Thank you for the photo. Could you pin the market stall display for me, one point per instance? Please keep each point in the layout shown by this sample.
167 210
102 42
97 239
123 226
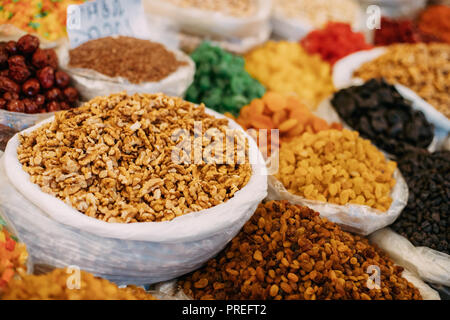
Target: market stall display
44 17
290 252
31 83
112 64
334 41
220 81
423 68
54 286
224 150
378 111
285 67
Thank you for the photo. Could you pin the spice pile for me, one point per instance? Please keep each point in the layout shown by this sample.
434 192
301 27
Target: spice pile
13 256
221 81
55 286
236 8
283 112
426 221
381 114
396 31
45 17
337 167
285 67
335 41
30 80
115 159
424 68
290 252
435 22
318 13
136 60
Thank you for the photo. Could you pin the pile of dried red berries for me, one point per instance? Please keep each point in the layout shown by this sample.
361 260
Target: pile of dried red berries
378 111
30 81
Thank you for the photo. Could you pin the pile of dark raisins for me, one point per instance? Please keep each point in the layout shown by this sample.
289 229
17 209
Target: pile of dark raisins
378 111
426 221
30 81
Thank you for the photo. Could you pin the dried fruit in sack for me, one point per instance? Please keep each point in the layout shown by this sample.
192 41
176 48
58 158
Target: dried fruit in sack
235 8
424 68
285 67
396 31
378 112
337 167
129 159
335 41
44 17
290 252
425 219
220 81
283 112
135 59
64 284
27 78
13 256
318 13
434 21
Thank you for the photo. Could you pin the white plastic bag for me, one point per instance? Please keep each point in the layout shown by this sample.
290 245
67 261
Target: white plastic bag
294 29
210 23
343 77
91 83
139 253
431 265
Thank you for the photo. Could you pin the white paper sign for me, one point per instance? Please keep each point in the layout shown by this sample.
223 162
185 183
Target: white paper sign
103 18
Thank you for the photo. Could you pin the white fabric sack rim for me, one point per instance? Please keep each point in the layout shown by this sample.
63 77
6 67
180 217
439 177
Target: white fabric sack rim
59 211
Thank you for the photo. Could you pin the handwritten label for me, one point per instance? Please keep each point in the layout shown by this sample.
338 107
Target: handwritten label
103 18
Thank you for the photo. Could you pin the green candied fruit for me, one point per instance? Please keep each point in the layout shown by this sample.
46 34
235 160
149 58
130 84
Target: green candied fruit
204 83
221 81
192 93
213 98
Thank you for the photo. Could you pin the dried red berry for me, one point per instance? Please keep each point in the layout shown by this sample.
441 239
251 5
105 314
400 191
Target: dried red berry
46 77
31 87
19 74
62 79
28 44
53 106
71 94
54 94
16 106
45 57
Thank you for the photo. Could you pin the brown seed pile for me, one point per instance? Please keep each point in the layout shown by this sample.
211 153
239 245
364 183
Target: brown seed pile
62 285
113 159
424 68
134 59
290 252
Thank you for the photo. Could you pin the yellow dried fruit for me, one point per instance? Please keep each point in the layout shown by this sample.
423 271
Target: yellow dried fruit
338 167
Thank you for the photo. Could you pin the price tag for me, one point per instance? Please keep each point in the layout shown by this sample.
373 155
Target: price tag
103 18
